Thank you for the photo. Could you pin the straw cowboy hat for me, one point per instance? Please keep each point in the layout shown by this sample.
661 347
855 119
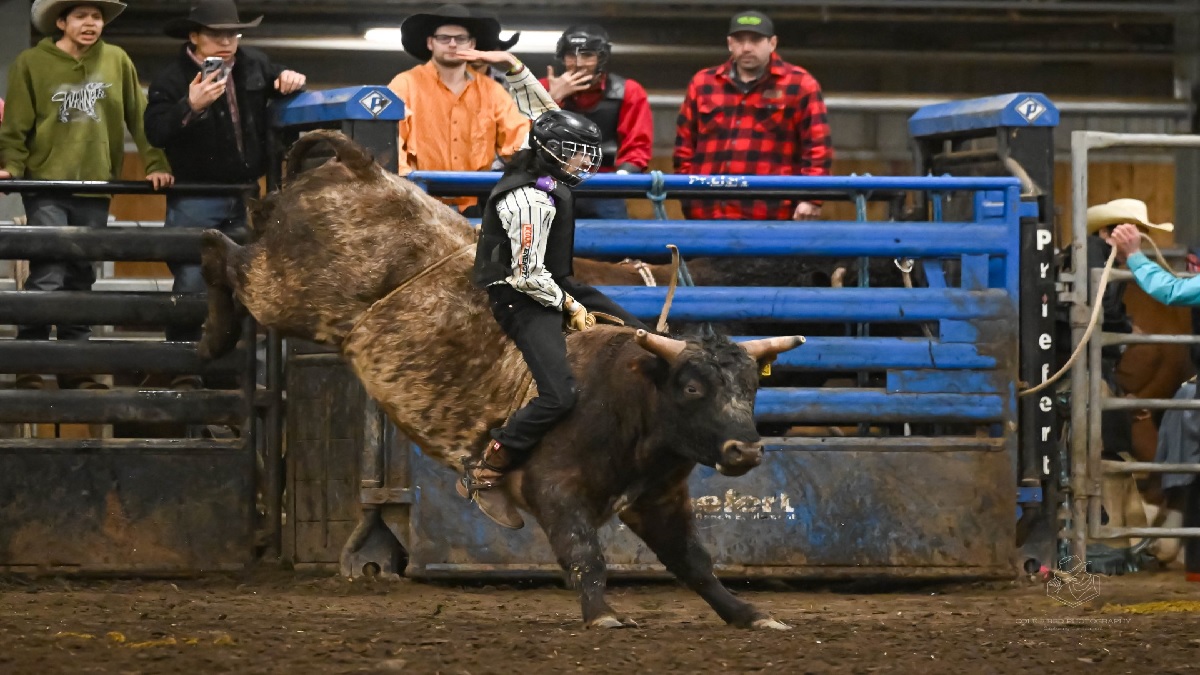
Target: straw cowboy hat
45 13
483 26
1122 211
213 14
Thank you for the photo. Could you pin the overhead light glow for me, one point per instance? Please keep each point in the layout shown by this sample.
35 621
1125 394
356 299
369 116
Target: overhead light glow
384 36
532 41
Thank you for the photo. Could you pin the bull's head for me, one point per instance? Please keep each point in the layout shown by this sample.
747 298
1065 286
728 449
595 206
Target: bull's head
707 396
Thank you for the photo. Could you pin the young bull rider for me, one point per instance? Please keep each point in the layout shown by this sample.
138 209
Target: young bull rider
523 261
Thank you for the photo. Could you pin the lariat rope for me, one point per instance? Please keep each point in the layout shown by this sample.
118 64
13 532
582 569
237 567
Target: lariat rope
1096 311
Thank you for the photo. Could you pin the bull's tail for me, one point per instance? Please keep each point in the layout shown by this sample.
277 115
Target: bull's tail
350 154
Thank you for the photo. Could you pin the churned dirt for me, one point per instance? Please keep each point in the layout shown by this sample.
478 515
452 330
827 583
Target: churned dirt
285 623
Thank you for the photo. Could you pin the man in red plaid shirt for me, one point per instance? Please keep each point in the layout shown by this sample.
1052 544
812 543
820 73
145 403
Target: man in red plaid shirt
755 114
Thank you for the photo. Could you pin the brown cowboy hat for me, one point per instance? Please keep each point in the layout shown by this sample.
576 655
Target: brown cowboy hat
416 29
213 14
45 13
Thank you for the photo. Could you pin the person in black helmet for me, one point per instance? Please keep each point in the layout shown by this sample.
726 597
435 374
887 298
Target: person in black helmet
523 261
618 105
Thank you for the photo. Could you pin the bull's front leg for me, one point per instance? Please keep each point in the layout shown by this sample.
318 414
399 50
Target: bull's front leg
576 545
664 521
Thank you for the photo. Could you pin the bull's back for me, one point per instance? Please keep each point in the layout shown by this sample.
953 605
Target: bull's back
332 243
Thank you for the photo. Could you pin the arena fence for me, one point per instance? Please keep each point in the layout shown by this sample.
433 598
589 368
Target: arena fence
1088 399
149 490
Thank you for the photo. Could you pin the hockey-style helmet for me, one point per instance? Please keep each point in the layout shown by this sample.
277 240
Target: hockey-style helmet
585 38
567 145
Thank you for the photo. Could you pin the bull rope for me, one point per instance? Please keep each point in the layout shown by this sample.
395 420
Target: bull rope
661 326
1096 310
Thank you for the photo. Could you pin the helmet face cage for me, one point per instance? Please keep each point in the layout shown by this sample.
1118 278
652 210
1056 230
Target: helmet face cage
570 161
585 39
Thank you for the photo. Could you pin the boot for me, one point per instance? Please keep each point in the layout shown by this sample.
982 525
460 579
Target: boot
480 482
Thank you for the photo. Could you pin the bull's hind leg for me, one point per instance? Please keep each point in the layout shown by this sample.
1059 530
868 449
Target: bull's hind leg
665 523
576 544
222 327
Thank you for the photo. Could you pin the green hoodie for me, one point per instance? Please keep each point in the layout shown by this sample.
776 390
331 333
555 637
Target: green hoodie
63 117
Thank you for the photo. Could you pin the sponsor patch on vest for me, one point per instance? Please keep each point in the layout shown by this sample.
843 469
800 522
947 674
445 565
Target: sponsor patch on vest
526 235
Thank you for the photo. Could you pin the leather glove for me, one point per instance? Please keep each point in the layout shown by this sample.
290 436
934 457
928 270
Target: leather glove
578 318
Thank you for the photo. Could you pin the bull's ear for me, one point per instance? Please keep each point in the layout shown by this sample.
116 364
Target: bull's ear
650 367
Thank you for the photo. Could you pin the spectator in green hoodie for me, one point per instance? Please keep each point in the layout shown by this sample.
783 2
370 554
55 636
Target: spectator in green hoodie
68 101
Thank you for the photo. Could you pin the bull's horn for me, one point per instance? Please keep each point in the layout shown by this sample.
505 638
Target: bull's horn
768 347
664 347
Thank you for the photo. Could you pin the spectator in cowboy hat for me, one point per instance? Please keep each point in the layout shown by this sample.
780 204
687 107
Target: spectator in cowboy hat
70 100
214 128
455 119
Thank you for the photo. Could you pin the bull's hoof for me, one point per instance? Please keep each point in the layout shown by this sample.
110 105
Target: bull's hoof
769 623
609 621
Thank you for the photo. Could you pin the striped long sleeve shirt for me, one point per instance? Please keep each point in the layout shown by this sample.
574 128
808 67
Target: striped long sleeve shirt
528 212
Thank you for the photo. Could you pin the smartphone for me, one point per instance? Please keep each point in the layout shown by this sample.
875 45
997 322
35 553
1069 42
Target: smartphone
211 64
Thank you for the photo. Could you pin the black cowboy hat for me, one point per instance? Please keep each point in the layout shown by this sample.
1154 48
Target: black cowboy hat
483 26
213 14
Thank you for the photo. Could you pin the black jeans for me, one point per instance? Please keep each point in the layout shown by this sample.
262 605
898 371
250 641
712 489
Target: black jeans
538 333
59 275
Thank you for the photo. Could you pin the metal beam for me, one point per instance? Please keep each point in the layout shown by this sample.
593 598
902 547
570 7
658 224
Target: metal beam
118 309
120 446
827 405
107 407
88 243
772 238
716 303
875 353
101 356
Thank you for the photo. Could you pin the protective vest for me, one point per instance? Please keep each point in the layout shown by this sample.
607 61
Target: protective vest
493 254
606 114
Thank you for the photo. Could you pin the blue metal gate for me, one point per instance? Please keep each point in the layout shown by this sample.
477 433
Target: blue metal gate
936 504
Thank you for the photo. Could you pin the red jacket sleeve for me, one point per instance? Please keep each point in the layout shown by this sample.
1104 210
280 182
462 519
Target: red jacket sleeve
635 128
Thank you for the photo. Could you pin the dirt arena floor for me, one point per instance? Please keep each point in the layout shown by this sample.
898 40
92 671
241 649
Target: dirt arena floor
284 623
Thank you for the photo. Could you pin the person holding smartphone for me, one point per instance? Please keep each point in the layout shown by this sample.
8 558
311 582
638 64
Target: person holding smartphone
208 110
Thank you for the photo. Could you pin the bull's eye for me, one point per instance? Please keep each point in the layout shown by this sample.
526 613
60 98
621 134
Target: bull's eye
693 390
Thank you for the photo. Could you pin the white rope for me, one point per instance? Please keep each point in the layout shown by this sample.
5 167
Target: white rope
1096 310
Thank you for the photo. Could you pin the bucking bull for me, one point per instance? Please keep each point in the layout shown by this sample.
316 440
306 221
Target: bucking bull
352 256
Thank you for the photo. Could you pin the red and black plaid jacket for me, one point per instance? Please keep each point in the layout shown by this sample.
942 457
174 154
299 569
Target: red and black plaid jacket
778 128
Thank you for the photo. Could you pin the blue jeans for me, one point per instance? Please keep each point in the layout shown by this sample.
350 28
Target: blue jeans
601 208
205 213
55 275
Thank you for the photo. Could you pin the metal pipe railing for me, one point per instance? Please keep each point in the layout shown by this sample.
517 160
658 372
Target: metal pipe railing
1082 481
126 187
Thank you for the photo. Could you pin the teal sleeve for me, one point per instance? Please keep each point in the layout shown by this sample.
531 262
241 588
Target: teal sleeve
1162 285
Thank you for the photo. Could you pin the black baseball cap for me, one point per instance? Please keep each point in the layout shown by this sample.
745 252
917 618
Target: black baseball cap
751 22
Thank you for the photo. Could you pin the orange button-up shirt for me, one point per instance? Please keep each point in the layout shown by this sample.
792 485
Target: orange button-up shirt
444 131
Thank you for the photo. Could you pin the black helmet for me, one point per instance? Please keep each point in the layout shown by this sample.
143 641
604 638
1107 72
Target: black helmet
567 145
585 38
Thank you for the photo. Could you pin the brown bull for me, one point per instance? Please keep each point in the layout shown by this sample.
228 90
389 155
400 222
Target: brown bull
352 256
